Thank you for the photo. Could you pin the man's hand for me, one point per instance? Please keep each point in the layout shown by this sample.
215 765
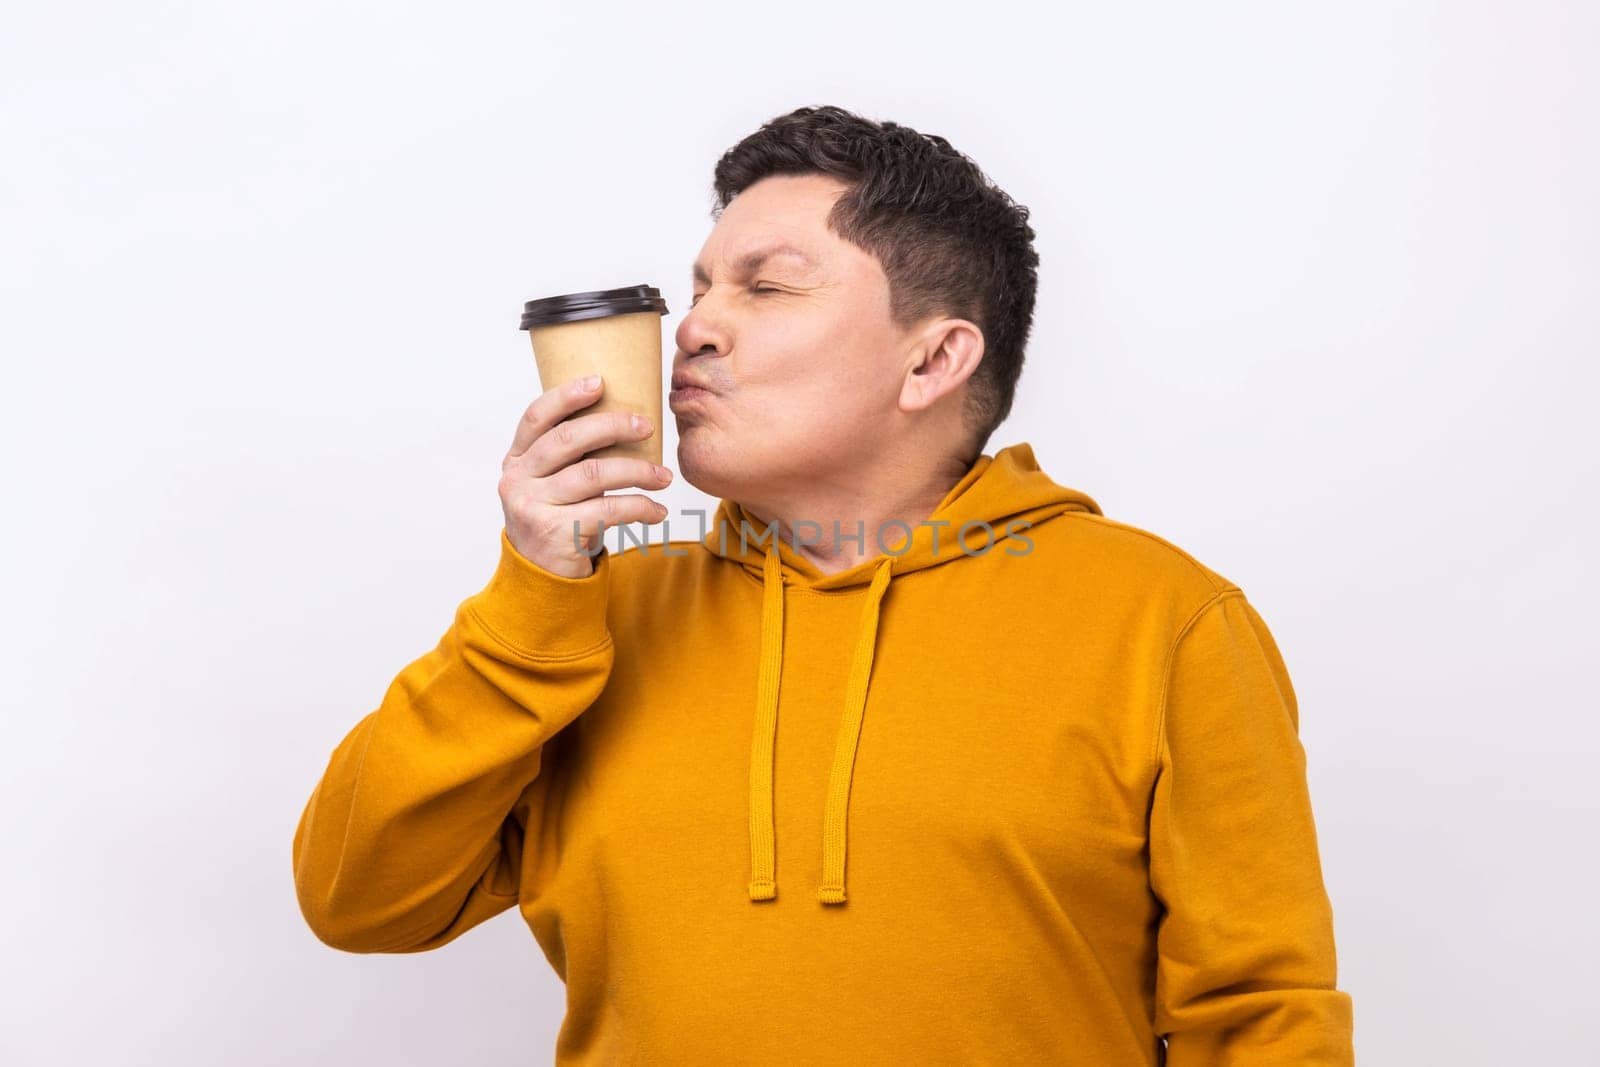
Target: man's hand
547 485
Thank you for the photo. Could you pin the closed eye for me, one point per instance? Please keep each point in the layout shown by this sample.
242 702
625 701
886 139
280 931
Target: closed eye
757 289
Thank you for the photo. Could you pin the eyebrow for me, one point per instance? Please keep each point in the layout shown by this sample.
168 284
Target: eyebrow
751 260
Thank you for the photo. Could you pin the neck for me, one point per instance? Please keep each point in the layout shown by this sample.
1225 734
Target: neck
864 508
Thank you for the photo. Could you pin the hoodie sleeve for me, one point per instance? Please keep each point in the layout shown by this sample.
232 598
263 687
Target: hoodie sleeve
1245 968
414 833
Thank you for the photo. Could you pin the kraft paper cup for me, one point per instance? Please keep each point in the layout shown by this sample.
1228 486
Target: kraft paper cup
615 333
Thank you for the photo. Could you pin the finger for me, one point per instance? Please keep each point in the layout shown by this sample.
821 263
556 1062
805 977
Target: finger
612 511
569 440
592 476
549 408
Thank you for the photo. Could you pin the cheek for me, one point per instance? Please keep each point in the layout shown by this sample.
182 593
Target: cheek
824 405
779 358
799 365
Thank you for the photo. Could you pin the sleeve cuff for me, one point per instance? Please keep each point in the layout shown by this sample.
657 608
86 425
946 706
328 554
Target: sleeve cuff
541 614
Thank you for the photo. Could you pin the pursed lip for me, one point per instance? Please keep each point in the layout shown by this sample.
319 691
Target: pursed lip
680 380
686 389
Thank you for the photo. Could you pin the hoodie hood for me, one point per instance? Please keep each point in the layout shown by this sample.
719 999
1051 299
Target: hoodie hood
999 494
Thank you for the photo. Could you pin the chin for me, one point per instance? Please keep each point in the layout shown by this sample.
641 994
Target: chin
720 466
706 463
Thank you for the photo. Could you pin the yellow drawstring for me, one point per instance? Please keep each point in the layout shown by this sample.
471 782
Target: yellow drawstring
844 752
763 885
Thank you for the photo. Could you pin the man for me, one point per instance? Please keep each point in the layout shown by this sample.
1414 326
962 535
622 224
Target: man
1056 756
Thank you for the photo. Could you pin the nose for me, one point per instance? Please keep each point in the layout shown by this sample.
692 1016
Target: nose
701 332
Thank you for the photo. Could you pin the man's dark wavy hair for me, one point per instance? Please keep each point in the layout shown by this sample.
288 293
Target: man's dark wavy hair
950 242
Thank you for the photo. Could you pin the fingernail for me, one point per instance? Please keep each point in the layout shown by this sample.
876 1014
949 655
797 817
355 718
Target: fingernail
590 382
641 423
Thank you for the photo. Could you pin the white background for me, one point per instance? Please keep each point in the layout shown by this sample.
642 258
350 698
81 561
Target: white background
1317 303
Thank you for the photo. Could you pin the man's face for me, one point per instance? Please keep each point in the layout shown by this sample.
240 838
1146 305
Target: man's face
800 359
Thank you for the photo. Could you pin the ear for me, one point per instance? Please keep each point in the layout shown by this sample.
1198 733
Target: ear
945 355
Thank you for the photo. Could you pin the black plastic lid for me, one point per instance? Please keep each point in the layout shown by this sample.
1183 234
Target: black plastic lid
596 304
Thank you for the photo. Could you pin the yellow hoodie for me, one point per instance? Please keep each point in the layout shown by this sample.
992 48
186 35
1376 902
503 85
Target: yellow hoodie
1031 796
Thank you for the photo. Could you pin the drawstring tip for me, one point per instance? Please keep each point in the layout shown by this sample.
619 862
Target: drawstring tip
831 894
763 889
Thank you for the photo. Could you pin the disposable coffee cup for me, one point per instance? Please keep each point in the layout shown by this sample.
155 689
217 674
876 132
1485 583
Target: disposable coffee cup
615 333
